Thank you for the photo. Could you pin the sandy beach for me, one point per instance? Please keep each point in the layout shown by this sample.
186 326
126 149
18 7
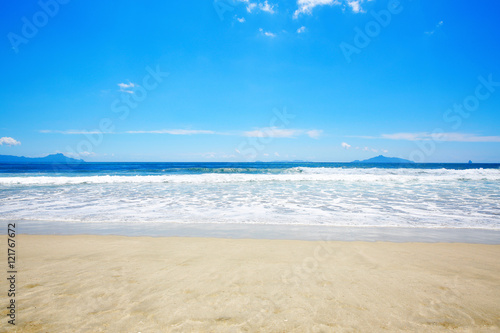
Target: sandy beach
173 284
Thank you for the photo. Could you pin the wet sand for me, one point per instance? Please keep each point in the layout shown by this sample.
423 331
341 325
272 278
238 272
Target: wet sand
173 284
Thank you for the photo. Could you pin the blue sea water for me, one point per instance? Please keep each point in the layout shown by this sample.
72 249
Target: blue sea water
280 193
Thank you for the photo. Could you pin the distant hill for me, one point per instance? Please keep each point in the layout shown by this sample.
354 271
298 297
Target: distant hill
383 159
53 158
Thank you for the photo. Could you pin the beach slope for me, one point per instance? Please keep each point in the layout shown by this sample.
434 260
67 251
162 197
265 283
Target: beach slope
169 284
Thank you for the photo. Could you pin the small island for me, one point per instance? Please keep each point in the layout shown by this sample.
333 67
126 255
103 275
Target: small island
52 158
384 159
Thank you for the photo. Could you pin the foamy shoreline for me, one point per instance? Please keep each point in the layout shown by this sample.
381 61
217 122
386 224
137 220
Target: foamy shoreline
423 196
89 283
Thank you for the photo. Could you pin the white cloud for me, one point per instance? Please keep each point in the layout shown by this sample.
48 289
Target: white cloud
71 132
301 29
345 145
264 132
251 7
306 6
213 155
261 6
438 136
439 25
81 154
275 132
241 20
162 131
126 87
209 155
267 33
402 136
272 132
276 154
173 132
355 6
315 134
9 141
266 7
348 146
450 137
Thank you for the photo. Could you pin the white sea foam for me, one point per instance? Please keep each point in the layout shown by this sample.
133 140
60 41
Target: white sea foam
327 196
290 175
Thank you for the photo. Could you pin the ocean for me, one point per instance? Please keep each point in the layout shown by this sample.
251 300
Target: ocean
327 194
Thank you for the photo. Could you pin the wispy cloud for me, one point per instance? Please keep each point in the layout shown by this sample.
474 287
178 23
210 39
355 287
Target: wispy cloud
80 154
275 132
173 132
162 131
355 6
6 140
251 6
315 134
306 6
126 87
265 132
72 132
259 6
439 25
347 146
267 33
426 136
300 30
212 155
272 132
240 19
266 7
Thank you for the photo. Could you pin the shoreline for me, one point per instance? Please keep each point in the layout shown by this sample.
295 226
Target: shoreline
260 231
85 283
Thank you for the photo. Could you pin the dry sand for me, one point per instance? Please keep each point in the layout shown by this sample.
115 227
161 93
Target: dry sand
142 284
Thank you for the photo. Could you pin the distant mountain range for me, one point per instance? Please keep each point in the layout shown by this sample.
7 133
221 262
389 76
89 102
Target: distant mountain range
53 158
61 158
383 159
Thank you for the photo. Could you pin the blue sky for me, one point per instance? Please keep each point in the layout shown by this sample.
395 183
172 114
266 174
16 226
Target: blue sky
235 80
